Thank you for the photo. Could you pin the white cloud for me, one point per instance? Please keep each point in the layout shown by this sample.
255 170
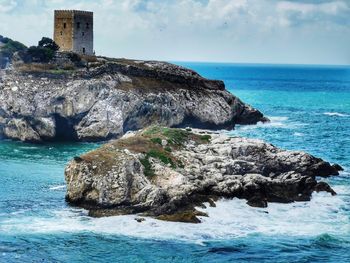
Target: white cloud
331 8
7 5
301 31
296 13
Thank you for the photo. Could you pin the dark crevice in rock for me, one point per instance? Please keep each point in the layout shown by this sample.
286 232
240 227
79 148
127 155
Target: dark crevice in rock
64 129
195 122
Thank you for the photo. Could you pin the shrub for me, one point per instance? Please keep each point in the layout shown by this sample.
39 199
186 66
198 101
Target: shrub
46 42
10 47
39 54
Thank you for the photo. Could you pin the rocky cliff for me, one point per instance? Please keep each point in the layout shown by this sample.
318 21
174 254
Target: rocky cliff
110 97
165 173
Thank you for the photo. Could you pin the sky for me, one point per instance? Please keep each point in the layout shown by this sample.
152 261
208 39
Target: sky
235 31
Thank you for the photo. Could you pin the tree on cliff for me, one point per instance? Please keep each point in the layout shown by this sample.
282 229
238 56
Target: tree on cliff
46 42
44 52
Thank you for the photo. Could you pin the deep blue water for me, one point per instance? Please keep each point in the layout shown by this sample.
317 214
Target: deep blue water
309 108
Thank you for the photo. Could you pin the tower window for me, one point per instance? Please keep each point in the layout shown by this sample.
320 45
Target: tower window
64 25
87 26
83 33
61 33
83 50
78 25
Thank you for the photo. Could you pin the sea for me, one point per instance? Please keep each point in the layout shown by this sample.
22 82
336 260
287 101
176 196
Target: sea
309 109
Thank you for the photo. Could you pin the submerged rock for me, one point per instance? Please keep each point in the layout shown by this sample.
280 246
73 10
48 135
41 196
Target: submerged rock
110 98
139 173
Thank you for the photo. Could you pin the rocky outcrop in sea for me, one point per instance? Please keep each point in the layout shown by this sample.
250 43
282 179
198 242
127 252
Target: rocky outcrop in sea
166 173
109 97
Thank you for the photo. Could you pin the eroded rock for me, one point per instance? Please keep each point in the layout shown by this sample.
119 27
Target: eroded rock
139 173
111 98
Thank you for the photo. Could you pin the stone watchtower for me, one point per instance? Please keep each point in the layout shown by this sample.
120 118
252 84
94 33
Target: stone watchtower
74 31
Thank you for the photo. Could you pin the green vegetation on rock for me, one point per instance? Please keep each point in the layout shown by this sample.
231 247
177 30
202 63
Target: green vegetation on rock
42 53
38 58
157 140
205 138
164 157
148 171
175 136
10 47
149 143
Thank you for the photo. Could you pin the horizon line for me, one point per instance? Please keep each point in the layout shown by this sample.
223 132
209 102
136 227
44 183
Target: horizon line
259 63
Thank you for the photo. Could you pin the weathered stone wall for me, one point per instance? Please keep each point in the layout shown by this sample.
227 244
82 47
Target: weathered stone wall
73 31
63 29
83 33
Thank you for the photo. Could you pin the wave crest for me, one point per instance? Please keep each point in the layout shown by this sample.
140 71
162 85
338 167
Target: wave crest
228 220
337 114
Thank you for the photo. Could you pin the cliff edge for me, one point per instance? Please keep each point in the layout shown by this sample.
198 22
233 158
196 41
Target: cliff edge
108 97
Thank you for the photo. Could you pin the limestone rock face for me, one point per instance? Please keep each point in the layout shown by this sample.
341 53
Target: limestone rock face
111 98
141 173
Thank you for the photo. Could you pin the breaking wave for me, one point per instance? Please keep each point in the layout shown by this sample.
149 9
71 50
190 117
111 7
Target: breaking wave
337 114
57 187
278 122
230 219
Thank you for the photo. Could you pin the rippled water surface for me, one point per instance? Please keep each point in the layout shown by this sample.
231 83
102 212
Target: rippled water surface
309 108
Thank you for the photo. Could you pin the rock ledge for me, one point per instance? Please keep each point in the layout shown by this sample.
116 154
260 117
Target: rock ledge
109 98
165 173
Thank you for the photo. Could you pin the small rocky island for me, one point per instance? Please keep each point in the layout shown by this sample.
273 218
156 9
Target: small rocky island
165 173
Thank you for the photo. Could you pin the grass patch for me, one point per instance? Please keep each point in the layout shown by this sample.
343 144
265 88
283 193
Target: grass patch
163 156
176 136
60 71
153 130
149 143
148 170
205 138
157 140
45 68
173 136
35 67
168 149
104 158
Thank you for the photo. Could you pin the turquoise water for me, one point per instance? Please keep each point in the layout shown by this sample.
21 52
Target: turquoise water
309 108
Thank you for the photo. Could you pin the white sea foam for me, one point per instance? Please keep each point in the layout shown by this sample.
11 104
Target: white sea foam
230 219
278 118
337 114
298 134
28 147
57 187
275 122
